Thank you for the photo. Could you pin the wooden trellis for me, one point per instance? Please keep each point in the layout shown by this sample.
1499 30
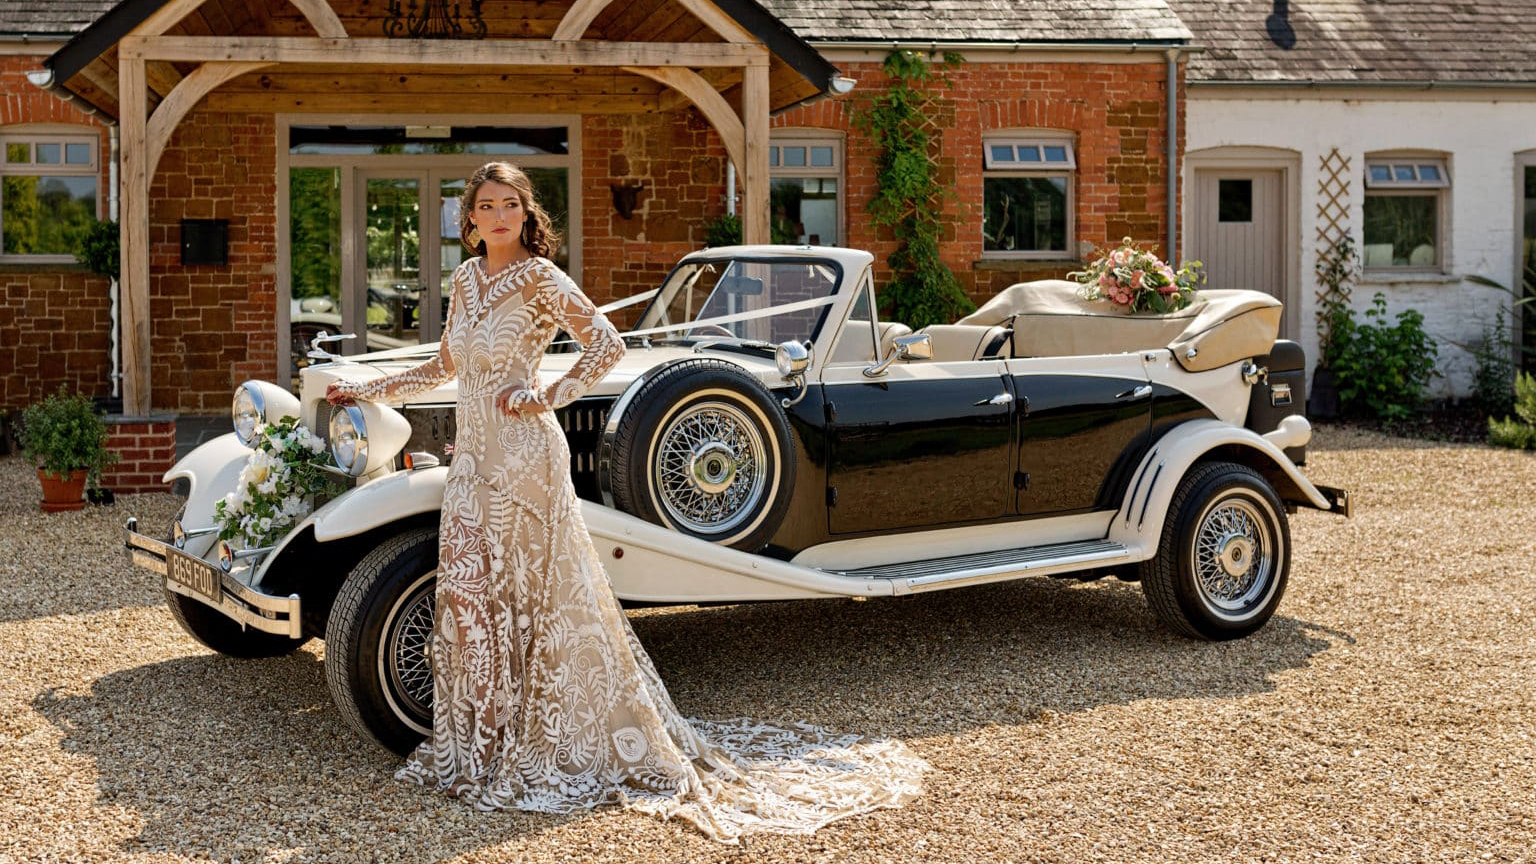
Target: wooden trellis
1335 247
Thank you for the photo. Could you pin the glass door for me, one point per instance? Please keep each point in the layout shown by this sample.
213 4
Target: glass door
387 286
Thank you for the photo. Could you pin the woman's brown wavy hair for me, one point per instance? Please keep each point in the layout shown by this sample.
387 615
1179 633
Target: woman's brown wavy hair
539 236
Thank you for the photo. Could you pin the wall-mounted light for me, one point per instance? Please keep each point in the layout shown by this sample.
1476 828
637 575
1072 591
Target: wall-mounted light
625 197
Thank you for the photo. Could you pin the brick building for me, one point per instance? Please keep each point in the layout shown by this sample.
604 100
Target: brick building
297 198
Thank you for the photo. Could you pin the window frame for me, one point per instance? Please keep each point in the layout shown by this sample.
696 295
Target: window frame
1440 190
63 136
1066 171
808 138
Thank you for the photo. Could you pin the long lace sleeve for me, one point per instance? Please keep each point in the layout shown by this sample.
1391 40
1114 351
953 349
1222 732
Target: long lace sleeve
577 316
417 379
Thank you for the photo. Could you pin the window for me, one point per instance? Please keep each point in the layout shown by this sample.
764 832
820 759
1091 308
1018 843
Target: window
1234 200
1405 205
1027 196
48 192
804 176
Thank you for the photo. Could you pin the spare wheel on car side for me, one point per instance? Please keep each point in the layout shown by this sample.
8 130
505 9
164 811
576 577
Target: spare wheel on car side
703 448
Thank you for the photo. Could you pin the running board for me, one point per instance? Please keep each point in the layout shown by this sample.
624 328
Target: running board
957 570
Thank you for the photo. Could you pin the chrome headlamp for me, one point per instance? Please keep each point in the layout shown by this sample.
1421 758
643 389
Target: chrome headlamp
249 412
349 439
258 402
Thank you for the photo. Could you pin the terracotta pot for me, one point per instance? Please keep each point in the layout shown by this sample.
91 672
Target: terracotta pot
63 493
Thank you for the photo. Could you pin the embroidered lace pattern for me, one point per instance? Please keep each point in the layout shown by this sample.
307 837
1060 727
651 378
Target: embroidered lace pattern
544 699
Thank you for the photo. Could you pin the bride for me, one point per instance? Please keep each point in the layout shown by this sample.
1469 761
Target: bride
543 699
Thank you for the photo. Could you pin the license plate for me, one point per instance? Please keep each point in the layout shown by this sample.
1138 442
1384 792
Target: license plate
195 573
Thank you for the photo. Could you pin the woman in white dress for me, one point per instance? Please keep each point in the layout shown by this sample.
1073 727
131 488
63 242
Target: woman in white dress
543 699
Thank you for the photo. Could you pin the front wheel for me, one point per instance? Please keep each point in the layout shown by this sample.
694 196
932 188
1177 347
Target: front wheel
1224 554
378 663
223 634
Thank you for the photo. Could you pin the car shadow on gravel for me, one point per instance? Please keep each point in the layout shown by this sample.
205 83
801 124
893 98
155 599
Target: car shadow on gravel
228 758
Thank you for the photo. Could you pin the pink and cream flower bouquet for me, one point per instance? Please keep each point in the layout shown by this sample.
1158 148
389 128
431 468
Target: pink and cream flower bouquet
1132 277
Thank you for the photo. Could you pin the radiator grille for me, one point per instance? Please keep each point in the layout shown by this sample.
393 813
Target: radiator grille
432 427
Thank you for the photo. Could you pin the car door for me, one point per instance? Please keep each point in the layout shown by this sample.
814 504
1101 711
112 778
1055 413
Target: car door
1082 424
924 444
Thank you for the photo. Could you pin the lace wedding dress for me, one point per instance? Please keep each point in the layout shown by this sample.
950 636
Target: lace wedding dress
543 698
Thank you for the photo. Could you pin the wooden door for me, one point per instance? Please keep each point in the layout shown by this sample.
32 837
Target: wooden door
1238 229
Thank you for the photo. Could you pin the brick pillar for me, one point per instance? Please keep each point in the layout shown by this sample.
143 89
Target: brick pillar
147 449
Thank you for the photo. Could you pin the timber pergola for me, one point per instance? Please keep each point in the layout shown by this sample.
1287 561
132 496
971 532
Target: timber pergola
150 62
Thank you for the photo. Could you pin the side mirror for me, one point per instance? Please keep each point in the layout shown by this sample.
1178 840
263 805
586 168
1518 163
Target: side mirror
794 359
913 346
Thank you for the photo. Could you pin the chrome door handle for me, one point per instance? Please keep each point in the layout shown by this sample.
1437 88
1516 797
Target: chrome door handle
999 399
1141 392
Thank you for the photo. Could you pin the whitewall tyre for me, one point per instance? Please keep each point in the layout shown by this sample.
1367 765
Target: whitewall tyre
378 642
1224 555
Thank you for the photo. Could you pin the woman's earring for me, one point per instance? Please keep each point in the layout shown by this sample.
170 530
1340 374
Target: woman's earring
474 236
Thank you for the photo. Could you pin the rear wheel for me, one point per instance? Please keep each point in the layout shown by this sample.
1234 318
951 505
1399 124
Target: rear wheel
378 660
1224 555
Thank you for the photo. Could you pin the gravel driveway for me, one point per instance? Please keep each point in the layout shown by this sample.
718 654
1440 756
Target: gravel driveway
1387 713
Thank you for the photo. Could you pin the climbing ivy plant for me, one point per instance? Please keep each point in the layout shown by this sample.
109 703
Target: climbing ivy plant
909 199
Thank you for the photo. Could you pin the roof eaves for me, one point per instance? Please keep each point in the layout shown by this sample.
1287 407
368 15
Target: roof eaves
94 41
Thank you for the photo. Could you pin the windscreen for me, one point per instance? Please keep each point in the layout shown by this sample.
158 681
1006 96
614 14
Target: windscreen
761 301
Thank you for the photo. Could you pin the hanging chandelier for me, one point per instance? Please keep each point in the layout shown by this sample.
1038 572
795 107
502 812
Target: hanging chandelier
434 19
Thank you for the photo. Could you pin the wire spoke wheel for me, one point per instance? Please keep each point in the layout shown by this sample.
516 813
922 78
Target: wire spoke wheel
1223 554
711 469
1233 556
407 649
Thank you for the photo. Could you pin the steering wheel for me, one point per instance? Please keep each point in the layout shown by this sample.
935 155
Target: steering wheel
722 331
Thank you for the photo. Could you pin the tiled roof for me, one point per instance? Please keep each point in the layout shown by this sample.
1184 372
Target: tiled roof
1361 40
55 18
980 20
877 20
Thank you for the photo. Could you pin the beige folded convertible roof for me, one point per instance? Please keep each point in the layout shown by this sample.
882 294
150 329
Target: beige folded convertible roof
1051 319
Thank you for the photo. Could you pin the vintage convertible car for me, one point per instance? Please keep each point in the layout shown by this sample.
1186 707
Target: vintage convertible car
766 437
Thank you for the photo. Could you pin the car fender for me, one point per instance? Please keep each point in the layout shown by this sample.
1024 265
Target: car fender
211 471
1138 524
378 502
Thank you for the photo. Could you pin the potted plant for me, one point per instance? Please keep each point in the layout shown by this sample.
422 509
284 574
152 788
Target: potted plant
65 437
1336 271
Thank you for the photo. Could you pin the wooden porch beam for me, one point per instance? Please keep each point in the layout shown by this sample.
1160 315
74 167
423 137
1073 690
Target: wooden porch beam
709 102
724 25
447 52
162 78
134 211
187 94
578 18
166 17
322 17
465 102
754 173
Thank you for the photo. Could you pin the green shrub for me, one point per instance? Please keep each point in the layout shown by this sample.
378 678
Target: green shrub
1493 389
1519 434
1382 369
64 433
724 231
99 252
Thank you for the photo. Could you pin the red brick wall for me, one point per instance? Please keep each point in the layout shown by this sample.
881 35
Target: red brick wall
54 323
213 326
1115 111
681 162
54 318
145 449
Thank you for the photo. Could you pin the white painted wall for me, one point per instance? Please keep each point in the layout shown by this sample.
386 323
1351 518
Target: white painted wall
1481 133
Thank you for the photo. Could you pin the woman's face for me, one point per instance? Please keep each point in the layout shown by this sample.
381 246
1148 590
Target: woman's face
498 214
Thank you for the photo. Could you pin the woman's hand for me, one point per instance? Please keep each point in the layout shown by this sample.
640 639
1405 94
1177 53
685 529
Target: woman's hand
337 393
514 400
